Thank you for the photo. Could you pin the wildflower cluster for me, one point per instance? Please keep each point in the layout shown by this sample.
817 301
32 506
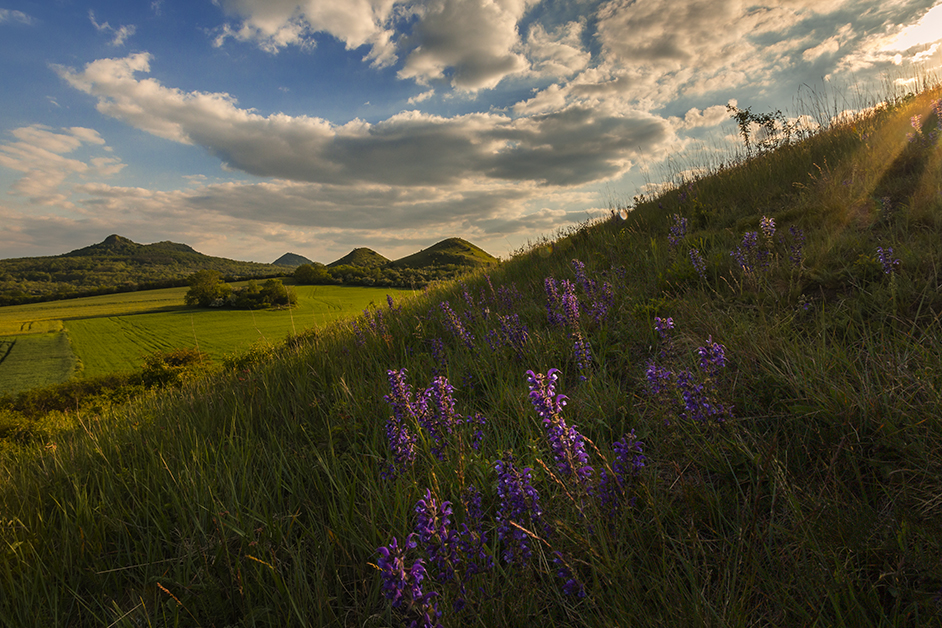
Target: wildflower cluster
565 309
917 136
688 394
758 248
614 483
433 411
519 505
699 264
448 556
402 586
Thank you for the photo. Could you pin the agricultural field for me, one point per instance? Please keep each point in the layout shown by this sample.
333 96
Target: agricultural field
35 360
114 333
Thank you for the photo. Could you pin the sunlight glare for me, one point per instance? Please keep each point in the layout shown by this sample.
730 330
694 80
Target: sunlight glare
925 31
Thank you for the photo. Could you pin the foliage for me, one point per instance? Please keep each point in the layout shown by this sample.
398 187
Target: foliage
207 289
115 265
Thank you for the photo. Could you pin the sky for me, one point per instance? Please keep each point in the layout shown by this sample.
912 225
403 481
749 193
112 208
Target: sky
251 128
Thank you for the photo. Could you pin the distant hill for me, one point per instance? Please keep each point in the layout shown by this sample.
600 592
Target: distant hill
362 257
116 264
294 260
115 245
450 251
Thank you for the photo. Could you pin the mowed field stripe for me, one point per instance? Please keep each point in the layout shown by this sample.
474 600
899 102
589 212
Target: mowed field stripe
120 343
35 360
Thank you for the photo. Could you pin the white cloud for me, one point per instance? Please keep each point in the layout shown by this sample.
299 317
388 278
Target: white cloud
121 34
39 154
574 146
276 24
711 116
472 43
559 53
8 15
414 100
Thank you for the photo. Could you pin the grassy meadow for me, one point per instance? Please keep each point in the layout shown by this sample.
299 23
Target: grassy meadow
719 407
115 333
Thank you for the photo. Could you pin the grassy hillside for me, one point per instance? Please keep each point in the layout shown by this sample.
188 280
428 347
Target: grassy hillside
367 258
743 430
449 251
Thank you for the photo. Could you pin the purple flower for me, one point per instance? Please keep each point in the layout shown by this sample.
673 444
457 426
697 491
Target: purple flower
438 354
698 262
405 413
515 333
677 230
553 300
662 326
659 378
588 285
747 253
438 416
572 585
712 357
472 538
403 586
767 226
453 323
626 467
567 443
435 538
886 259
570 304
520 504
583 355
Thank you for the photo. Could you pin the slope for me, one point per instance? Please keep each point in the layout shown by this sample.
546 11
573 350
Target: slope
742 431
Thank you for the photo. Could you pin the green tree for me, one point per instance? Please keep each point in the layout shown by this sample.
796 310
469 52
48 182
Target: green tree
207 289
312 275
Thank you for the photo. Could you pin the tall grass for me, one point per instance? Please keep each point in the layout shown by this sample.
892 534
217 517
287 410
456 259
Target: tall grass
788 415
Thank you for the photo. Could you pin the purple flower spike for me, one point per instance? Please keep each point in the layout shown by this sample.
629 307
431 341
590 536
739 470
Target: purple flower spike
567 443
712 357
403 587
453 323
520 504
886 259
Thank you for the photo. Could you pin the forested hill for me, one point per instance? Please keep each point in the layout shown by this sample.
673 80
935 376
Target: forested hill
117 264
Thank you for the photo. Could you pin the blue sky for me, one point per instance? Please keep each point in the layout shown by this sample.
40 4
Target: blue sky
249 128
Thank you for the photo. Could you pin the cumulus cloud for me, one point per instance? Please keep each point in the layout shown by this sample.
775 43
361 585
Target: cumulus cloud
574 146
559 53
275 24
711 116
473 43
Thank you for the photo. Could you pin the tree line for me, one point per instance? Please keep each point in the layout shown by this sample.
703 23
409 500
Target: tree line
382 276
208 289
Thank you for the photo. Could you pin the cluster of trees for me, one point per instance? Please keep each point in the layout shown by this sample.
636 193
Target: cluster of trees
207 289
386 276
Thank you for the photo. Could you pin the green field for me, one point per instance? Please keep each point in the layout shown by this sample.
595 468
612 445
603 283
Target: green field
114 333
35 360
